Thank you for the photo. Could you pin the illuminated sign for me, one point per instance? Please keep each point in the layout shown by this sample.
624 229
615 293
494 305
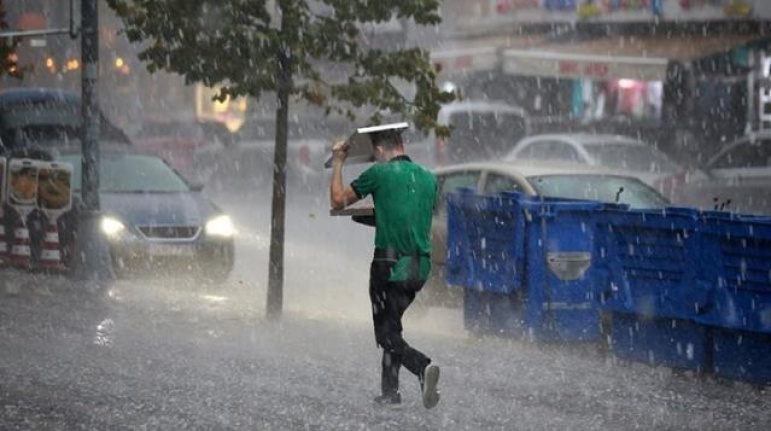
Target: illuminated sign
535 11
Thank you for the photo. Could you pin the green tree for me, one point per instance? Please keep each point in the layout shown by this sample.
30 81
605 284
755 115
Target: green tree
285 47
8 66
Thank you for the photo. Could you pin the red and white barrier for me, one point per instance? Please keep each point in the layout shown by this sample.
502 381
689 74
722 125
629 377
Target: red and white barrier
54 199
20 254
21 198
51 255
34 186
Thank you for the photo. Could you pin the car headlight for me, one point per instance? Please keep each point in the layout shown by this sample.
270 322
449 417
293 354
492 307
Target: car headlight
221 226
112 227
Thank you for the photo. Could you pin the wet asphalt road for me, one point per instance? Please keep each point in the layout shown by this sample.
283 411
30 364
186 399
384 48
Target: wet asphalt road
170 354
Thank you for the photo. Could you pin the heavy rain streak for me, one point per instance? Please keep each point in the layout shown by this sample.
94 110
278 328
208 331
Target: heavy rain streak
172 255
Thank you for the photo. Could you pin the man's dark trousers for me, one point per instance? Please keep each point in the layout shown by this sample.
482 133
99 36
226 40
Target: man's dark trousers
389 302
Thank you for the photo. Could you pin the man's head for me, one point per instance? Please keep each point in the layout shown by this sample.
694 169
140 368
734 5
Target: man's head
387 144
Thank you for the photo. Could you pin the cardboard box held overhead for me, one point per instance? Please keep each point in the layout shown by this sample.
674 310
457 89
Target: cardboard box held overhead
360 144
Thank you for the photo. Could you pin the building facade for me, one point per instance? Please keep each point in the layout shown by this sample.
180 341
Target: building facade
687 73
697 70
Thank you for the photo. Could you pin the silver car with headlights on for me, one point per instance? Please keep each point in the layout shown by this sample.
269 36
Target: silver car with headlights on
155 222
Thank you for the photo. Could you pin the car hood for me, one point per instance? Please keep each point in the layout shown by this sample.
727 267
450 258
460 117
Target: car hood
156 209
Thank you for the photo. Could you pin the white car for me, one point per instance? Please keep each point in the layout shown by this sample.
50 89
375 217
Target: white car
553 179
616 152
738 177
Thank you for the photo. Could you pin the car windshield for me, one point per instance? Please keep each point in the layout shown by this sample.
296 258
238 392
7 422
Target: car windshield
603 188
621 155
130 173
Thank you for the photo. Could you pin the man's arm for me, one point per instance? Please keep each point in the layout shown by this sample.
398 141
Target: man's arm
340 196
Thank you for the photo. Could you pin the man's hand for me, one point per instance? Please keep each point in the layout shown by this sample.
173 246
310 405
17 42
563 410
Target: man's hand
339 151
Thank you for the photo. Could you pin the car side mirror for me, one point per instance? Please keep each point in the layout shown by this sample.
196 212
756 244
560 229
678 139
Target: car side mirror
196 187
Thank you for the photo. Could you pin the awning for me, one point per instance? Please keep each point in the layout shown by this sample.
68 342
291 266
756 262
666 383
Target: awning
480 54
643 58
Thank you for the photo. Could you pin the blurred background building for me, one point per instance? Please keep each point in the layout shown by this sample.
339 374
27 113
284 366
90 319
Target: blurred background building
681 70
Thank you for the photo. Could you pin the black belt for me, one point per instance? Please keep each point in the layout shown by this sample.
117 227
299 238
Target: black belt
389 254
394 256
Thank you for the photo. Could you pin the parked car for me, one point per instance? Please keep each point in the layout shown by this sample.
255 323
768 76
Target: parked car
738 177
154 220
185 144
45 117
553 179
634 156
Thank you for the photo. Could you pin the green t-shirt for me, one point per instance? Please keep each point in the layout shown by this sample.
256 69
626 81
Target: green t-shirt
404 194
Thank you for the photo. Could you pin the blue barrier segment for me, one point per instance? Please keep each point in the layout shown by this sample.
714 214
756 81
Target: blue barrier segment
562 294
484 242
651 259
683 288
526 263
739 269
675 343
741 355
656 288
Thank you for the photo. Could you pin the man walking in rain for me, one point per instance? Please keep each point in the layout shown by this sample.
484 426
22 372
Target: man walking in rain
403 193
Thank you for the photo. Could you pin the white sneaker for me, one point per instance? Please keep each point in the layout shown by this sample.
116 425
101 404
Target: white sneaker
430 381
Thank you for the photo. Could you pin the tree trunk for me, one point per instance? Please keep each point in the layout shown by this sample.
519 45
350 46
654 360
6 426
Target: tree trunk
278 208
90 104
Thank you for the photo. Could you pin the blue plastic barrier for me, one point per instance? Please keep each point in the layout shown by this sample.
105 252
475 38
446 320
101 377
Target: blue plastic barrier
526 264
678 287
654 294
739 269
484 242
675 343
741 355
652 259
562 291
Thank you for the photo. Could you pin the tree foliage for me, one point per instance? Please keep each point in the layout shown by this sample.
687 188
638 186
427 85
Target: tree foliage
308 49
235 44
8 65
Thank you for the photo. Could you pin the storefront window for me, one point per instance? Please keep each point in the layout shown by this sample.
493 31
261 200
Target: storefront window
623 98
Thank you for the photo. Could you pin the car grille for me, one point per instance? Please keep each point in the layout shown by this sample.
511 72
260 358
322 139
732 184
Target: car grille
169 232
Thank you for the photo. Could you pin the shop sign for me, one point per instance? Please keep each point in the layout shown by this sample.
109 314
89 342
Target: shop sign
588 69
619 8
529 8
465 60
712 8
625 10
564 65
506 7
